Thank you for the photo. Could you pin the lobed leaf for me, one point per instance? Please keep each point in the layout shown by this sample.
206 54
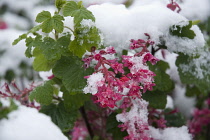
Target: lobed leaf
40 62
70 70
59 3
63 118
44 15
85 38
77 11
43 94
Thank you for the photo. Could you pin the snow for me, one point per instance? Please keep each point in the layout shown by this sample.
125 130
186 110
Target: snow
170 103
94 81
184 104
21 5
45 74
199 66
27 123
87 23
171 133
195 9
119 24
14 21
191 9
13 55
93 2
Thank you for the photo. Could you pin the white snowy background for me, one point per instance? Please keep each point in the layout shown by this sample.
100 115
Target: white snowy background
118 25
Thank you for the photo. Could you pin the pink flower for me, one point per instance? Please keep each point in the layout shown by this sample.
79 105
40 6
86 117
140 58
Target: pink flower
110 50
173 6
117 68
3 25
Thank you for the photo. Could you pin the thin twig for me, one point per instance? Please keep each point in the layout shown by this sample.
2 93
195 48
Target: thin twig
84 116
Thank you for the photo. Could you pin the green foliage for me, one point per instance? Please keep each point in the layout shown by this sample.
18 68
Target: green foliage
59 3
162 80
24 36
62 117
192 91
53 49
183 29
49 23
74 101
190 76
21 37
174 119
5 110
77 11
85 38
70 70
44 15
112 127
43 94
157 99
40 62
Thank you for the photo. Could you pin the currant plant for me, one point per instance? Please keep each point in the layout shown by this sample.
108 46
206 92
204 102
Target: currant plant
106 93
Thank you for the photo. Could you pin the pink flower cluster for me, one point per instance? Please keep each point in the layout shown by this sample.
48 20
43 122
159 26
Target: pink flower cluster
110 89
135 121
200 119
79 131
123 82
156 117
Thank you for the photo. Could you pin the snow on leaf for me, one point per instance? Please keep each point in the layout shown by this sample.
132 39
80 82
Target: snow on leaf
77 11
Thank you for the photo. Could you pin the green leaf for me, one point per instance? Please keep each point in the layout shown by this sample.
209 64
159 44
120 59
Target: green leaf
5 110
59 3
76 48
77 11
58 23
53 23
63 118
32 42
162 80
24 36
44 15
157 99
71 71
174 119
34 29
40 62
192 91
183 29
29 43
21 37
193 71
74 101
52 49
85 38
47 26
112 127
43 94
